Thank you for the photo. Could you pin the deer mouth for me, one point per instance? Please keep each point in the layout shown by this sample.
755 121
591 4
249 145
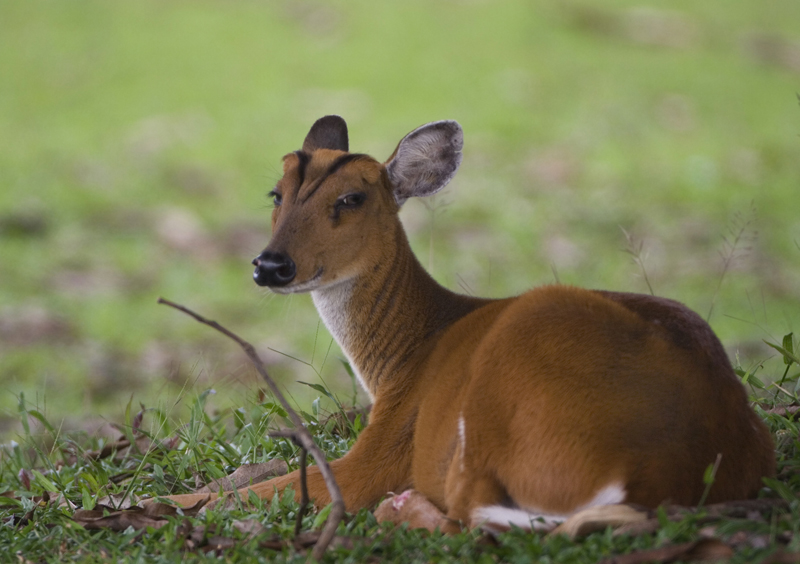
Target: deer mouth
299 287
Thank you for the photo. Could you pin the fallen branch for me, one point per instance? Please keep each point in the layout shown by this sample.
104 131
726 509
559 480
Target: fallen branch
299 434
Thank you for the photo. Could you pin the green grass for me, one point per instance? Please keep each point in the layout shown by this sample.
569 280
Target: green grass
209 444
138 141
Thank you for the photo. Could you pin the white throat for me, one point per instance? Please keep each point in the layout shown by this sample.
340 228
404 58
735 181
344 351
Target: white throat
332 304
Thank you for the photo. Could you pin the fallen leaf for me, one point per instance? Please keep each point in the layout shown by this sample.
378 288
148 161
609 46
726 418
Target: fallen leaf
750 509
308 539
152 515
781 557
275 543
116 521
119 501
196 537
742 509
304 541
219 543
120 448
249 527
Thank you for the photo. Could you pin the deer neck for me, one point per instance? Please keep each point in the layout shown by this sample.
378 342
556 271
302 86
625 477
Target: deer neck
383 317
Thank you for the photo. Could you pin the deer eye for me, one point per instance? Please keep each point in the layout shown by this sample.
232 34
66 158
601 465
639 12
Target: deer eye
350 201
276 198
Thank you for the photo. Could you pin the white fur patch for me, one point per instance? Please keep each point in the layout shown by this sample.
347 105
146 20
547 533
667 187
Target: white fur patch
462 440
331 303
497 518
610 495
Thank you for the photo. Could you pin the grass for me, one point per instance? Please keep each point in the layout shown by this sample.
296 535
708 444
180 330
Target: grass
138 141
172 455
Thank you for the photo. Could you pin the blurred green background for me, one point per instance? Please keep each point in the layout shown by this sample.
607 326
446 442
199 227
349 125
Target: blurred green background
138 141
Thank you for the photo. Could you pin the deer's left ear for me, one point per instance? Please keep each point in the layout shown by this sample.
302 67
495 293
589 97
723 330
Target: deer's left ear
425 160
329 132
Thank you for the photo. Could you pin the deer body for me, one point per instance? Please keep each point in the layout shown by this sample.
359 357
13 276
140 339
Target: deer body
540 404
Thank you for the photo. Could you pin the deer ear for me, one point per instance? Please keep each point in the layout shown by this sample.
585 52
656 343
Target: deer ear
425 160
329 132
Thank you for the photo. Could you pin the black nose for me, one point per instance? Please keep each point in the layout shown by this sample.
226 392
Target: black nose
273 269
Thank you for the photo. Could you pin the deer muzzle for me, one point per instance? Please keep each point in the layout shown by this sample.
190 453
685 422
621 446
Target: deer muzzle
274 269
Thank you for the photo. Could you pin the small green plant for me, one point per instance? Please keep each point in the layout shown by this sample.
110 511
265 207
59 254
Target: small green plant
47 475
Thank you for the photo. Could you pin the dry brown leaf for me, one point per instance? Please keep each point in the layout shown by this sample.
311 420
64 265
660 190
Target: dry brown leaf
39 501
152 515
750 509
781 557
275 543
121 447
184 529
157 510
308 539
118 501
708 550
217 542
246 475
196 536
116 520
784 410
304 541
599 518
249 527
742 509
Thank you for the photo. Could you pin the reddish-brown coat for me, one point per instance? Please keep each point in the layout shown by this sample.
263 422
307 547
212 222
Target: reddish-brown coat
562 391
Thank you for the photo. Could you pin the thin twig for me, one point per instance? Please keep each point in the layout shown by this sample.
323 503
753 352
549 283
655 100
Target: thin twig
303 437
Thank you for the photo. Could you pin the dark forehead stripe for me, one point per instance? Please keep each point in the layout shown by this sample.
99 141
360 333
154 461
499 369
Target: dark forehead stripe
302 162
335 165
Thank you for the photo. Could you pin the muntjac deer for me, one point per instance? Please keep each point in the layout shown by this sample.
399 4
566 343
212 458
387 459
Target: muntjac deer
497 411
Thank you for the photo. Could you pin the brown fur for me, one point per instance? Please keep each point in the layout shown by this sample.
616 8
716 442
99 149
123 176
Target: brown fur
563 391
